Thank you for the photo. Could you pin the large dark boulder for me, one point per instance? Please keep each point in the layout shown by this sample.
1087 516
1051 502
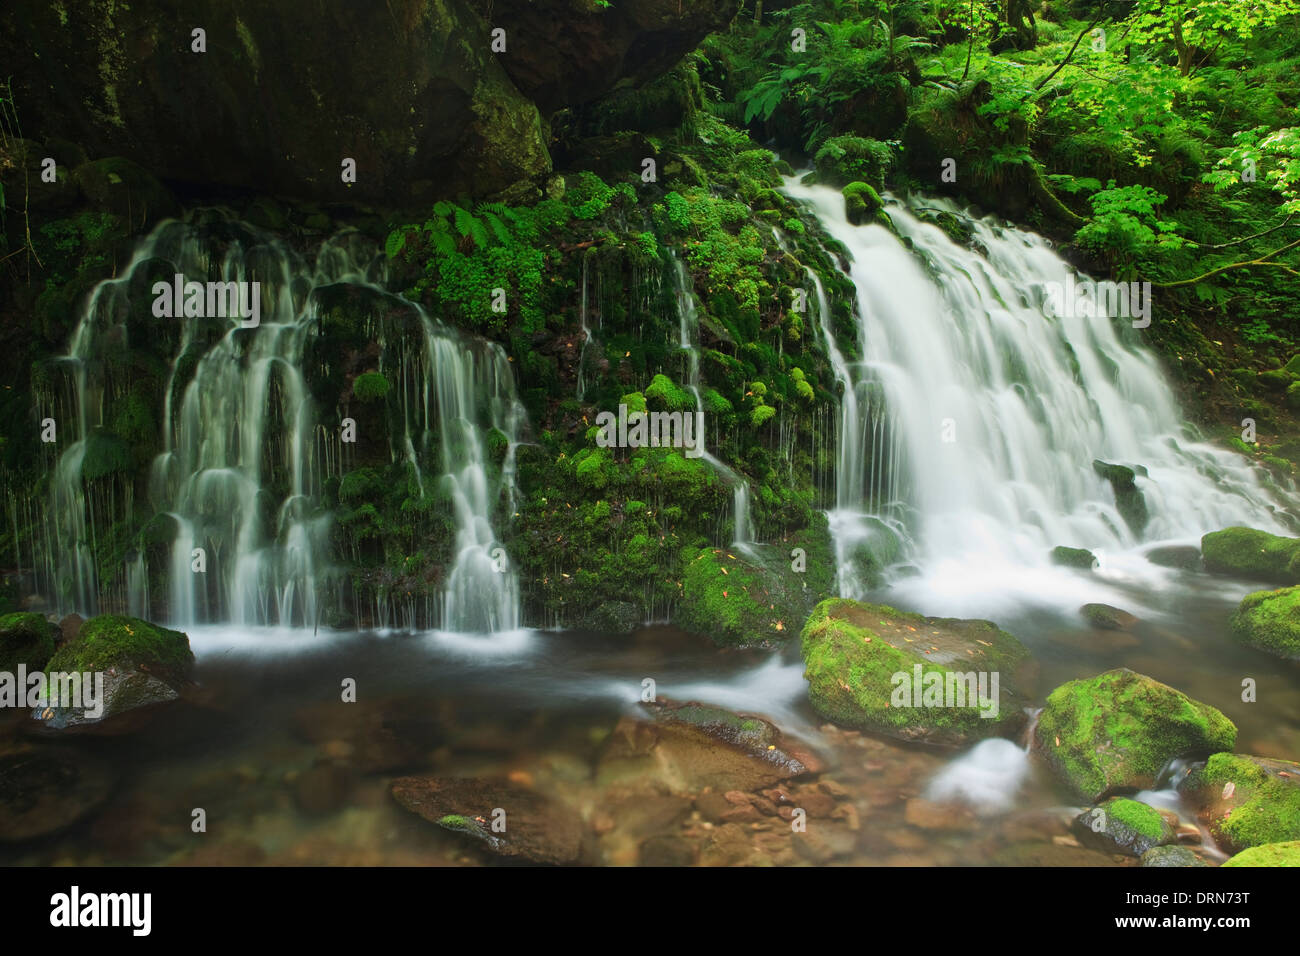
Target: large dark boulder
283 93
570 52
412 90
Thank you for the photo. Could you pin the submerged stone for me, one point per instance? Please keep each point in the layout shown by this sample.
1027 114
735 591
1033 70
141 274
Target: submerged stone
1108 618
527 824
1176 556
45 790
1116 731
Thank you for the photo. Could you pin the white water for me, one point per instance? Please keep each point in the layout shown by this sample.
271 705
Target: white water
689 342
988 777
991 415
245 454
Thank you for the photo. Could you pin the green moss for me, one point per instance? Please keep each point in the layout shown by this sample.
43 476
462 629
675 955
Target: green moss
1117 731
861 203
25 639
1270 621
1138 817
1252 553
1074 558
845 159
1128 499
1249 801
1271 854
370 387
852 651
112 641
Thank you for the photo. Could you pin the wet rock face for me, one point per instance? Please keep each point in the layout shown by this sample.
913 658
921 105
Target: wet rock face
282 93
570 52
412 90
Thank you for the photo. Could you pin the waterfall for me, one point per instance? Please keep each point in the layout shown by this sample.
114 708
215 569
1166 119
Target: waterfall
689 341
972 418
244 452
584 317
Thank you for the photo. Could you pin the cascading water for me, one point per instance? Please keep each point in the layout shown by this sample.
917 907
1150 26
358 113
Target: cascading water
689 341
990 414
244 453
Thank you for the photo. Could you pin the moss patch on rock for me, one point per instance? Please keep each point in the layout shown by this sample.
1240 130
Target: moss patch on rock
852 653
1074 558
1270 621
1116 731
1253 554
113 641
1271 854
25 639
1247 801
1127 826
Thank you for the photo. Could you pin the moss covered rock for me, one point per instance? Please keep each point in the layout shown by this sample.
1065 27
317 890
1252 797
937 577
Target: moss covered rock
863 664
1128 498
1247 801
1124 825
25 639
1074 558
1270 854
1252 553
1107 618
1270 621
862 204
1116 731
143 665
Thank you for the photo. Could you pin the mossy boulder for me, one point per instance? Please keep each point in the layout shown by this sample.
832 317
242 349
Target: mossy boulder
1275 380
1247 801
1074 558
862 204
25 639
1125 826
143 665
1115 732
1293 396
863 663
1252 553
124 188
1128 498
754 596
1270 854
1270 621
